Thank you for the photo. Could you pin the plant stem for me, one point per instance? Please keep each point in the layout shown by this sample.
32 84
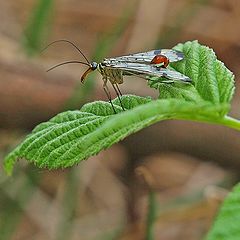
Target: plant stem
151 215
230 122
224 121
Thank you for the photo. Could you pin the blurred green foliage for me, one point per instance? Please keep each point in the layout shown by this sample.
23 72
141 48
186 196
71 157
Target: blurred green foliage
37 27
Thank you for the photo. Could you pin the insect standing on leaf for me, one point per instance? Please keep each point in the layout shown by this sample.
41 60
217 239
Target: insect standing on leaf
146 64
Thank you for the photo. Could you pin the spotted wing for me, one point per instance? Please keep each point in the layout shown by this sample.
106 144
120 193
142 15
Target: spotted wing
149 70
146 57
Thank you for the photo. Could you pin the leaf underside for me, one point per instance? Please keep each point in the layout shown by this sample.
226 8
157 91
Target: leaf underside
72 136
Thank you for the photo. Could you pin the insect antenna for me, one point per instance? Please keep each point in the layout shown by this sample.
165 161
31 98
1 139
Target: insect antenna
67 62
67 41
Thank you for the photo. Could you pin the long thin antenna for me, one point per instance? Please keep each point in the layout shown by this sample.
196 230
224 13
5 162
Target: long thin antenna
68 62
67 41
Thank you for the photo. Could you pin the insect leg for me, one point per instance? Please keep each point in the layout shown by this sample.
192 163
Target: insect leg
118 89
119 94
106 90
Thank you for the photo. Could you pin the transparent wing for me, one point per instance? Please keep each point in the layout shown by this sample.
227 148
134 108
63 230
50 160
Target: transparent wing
146 57
149 70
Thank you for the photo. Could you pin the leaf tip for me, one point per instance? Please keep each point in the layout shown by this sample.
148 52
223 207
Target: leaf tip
9 161
7 167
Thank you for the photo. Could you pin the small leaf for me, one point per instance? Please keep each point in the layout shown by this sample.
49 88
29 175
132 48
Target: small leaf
227 224
212 81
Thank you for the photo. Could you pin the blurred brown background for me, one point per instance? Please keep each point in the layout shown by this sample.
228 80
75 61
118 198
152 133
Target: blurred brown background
188 166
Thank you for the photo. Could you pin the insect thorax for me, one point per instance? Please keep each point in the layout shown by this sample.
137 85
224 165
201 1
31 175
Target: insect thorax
110 74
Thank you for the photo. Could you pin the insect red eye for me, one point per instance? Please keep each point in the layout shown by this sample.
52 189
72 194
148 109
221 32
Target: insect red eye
158 59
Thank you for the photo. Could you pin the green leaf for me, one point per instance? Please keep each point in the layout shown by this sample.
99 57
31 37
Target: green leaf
73 136
213 81
176 90
227 224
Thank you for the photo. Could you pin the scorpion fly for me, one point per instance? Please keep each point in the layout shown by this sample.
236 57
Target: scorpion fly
146 64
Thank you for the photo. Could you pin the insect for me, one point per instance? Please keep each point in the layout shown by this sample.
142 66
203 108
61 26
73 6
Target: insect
146 64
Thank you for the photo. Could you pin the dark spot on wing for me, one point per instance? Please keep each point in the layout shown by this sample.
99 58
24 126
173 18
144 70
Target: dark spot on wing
179 54
164 75
157 51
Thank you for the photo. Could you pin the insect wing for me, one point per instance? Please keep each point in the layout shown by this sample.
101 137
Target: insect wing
174 75
149 70
146 57
171 54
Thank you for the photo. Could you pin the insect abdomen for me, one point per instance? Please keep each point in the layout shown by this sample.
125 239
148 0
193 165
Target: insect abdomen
113 75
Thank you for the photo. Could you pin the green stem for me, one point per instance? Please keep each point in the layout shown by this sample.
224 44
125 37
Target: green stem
225 121
230 122
151 215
